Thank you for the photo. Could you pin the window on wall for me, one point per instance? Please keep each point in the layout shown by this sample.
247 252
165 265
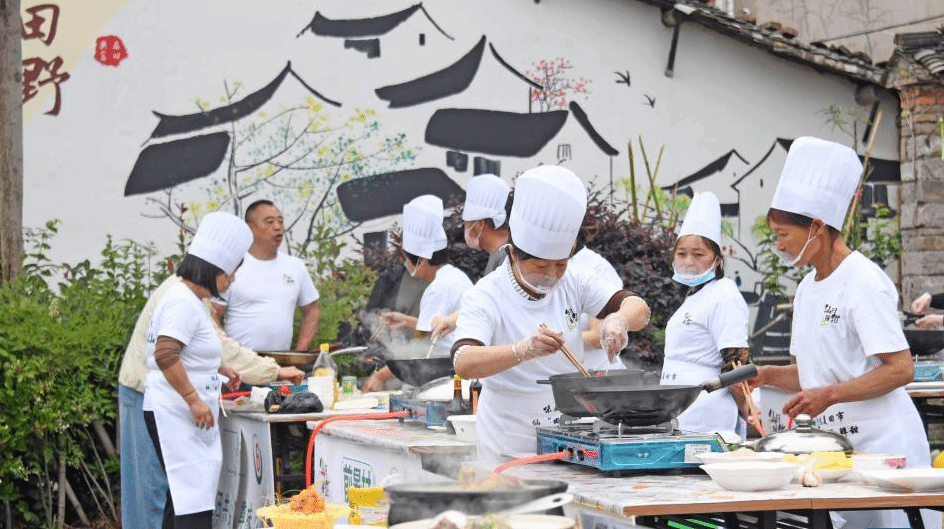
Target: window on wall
422 39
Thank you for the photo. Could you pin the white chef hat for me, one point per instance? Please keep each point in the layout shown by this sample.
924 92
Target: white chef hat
703 217
485 198
818 180
222 239
423 231
549 205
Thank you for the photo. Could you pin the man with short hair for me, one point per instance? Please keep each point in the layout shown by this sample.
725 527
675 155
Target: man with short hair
258 309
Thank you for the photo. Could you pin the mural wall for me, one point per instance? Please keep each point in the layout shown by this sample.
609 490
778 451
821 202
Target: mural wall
142 115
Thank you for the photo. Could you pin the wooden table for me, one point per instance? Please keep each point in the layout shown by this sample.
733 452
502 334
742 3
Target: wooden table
641 499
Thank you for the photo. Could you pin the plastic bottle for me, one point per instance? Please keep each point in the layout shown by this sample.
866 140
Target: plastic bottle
325 366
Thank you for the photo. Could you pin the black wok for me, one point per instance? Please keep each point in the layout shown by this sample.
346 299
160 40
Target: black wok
924 341
564 385
650 405
417 501
419 371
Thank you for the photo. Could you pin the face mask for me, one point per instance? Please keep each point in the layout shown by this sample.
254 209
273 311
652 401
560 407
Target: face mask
539 283
691 277
789 260
472 242
411 272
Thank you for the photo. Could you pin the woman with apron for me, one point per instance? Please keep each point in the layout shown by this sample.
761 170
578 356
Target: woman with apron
182 388
852 359
513 321
707 335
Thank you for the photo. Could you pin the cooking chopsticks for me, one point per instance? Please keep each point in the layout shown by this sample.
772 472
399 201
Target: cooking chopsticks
570 356
751 405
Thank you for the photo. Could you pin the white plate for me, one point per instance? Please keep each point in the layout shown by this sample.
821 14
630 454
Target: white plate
516 521
739 457
906 479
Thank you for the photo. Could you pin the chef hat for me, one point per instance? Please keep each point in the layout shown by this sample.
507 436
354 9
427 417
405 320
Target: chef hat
818 180
222 239
549 205
703 217
485 199
423 231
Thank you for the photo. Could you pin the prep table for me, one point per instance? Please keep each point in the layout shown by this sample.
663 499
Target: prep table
254 447
345 450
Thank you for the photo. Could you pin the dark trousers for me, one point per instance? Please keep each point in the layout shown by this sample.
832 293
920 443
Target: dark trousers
197 520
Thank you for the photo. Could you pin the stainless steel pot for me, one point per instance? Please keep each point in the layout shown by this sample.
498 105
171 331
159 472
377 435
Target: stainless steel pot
803 439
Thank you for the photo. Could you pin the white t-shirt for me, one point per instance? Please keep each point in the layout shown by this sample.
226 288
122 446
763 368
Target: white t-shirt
442 297
261 302
495 312
839 325
182 316
714 318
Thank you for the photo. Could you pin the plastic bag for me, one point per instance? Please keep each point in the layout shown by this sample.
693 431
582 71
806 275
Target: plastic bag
301 403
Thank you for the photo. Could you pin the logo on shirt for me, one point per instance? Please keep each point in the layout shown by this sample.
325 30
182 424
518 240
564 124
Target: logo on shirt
572 318
686 319
287 280
830 316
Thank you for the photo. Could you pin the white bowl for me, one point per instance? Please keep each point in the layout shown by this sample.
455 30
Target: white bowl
516 521
751 476
739 456
464 425
906 479
878 461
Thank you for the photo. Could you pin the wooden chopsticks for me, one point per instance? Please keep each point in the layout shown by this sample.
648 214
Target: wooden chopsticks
752 406
570 356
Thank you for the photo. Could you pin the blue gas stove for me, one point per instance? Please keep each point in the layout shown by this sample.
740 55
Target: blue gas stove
614 449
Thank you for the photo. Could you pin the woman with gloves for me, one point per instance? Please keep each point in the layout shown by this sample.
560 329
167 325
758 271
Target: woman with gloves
707 335
513 322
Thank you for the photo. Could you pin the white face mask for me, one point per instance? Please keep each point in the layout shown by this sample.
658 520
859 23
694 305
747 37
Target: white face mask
789 260
540 283
473 243
689 275
415 268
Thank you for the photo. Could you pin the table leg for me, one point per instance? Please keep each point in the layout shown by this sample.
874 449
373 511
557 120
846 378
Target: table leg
766 519
819 519
914 517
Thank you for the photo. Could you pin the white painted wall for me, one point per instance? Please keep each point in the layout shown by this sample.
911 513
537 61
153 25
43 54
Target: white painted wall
724 95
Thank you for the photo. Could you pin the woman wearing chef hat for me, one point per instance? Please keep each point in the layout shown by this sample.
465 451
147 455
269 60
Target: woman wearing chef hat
851 355
708 333
513 321
425 257
182 389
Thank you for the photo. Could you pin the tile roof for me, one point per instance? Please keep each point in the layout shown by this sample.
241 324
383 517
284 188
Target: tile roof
779 41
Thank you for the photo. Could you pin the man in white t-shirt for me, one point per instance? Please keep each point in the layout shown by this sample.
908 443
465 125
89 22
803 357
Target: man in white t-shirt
258 310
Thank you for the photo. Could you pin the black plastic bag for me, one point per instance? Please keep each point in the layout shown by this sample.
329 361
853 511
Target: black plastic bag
303 402
272 398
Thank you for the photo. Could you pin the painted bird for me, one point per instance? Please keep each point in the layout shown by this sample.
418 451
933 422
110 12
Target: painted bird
623 78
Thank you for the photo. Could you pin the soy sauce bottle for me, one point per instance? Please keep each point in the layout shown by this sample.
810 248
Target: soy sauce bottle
475 389
458 405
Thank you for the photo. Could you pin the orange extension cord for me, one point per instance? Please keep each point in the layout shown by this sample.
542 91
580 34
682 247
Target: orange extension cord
309 454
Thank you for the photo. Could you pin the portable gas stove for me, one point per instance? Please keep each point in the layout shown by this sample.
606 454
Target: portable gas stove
429 412
614 449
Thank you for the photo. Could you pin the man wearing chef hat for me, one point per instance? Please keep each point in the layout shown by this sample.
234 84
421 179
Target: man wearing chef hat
425 255
485 226
852 358
513 321
708 333
484 217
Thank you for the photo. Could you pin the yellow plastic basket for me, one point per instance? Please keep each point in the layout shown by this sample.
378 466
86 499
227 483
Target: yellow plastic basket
283 517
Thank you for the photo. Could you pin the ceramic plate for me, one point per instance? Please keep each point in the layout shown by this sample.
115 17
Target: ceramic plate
906 479
516 521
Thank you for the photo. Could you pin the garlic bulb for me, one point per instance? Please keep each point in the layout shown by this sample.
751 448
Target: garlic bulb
810 477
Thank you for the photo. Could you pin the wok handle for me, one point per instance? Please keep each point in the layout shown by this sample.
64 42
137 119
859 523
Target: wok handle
731 377
545 381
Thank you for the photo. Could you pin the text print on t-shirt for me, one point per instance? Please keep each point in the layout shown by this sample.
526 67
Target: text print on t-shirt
830 316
